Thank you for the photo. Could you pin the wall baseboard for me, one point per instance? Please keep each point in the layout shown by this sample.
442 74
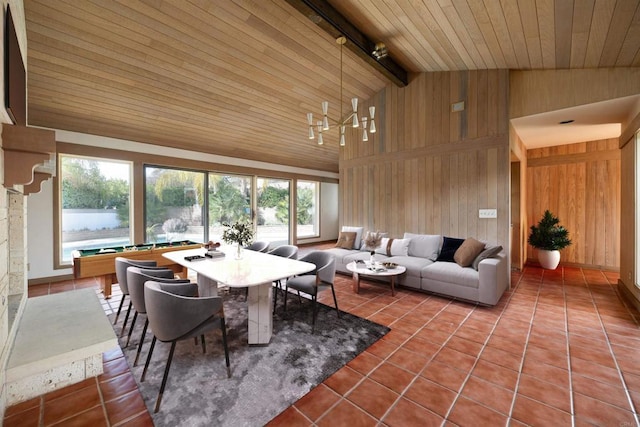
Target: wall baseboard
534 263
627 296
52 279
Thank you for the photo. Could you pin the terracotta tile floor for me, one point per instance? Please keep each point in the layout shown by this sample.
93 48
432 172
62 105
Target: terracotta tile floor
559 349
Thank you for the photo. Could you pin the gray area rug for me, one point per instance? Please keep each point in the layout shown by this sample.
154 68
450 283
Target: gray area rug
265 380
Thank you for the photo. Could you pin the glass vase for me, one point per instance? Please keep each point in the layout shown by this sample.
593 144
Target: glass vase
239 251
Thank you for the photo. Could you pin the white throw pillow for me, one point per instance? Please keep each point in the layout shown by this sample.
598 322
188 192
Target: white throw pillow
398 247
358 231
424 245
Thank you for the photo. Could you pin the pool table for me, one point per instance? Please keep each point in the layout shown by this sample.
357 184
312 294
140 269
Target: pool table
100 263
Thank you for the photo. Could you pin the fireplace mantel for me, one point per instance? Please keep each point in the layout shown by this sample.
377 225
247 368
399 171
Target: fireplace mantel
29 157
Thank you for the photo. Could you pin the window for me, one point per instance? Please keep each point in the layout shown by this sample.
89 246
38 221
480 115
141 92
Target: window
273 210
307 209
95 199
229 201
174 205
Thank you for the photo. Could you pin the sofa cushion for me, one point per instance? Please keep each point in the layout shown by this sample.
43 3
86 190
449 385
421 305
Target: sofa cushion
424 245
414 265
394 247
362 256
449 247
339 253
467 252
346 239
358 230
488 252
450 272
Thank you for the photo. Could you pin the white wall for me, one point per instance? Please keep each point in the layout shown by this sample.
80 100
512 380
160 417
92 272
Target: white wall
40 215
40 234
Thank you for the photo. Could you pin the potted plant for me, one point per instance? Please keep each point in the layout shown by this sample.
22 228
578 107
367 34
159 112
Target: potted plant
240 233
549 238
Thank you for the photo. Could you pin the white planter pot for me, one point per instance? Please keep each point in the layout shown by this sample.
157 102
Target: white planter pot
549 259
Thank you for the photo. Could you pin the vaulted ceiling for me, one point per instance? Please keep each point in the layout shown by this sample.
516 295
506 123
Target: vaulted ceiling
237 77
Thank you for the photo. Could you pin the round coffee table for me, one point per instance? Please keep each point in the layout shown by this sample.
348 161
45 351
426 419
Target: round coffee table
359 269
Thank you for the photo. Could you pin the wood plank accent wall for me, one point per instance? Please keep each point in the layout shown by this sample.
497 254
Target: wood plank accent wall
429 170
539 91
580 184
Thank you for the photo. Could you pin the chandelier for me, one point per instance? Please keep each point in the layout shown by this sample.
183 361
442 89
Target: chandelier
352 118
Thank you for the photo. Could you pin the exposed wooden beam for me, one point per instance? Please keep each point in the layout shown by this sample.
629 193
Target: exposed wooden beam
326 17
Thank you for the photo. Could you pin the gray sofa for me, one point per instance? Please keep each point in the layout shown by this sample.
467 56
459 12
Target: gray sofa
419 253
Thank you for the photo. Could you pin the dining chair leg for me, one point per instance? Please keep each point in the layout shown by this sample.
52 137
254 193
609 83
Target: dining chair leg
299 298
133 323
314 314
226 348
119 309
164 377
204 347
275 294
126 318
335 300
286 293
144 333
146 364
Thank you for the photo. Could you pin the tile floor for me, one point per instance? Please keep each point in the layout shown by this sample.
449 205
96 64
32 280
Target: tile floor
559 349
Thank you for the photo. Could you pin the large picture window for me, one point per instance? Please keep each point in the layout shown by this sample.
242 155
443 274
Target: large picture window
95 199
273 210
229 202
174 205
308 194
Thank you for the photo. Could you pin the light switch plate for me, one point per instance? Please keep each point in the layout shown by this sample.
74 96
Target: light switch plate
488 213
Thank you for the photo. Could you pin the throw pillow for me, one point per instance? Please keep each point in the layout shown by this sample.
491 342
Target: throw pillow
489 252
346 239
449 247
394 247
363 246
424 245
358 240
467 252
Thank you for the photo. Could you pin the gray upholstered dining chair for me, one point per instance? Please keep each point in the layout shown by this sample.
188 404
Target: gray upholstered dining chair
285 251
315 281
121 276
175 316
136 277
259 246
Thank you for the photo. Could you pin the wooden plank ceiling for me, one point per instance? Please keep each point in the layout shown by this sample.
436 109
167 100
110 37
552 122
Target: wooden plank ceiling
236 78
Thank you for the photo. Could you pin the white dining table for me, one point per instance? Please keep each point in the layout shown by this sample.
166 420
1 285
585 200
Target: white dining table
254 270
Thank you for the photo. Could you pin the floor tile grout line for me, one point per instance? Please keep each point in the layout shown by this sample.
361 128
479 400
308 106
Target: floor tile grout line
612 353
401 394
567 333
484 346
419 374
524 350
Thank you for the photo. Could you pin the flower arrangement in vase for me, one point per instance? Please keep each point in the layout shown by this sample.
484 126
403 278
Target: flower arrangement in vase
371 243
240 233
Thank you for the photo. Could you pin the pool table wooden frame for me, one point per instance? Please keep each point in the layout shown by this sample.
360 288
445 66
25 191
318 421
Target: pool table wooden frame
102 266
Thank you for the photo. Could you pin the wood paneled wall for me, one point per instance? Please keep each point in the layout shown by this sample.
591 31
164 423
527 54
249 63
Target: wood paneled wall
429 170
580 184
539 91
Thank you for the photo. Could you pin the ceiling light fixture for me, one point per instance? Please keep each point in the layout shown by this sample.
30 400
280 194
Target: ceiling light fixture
380 51
323 125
